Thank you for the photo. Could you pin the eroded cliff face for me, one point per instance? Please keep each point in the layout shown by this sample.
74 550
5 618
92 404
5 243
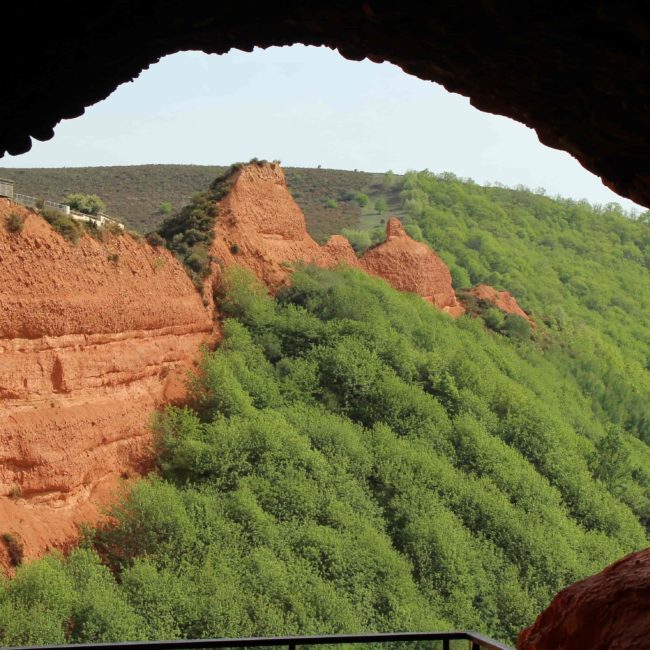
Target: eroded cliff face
93 338
409 265
503 300
607 611
261 228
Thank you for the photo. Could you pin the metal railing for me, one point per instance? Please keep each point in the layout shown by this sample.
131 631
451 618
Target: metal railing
443 640
29 201
99 219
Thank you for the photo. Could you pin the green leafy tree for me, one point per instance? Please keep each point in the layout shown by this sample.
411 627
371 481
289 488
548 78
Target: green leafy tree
494 318
359 239
516 327
362 199
86 203
610 460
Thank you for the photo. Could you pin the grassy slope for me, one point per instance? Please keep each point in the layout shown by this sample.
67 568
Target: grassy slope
134 194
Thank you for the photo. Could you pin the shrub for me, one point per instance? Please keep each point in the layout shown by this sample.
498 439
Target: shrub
362 199
154 239
15 223
414 231
92 229
190 232
516 327
86 203
14 548
114 258
459 276
360 240
494 318
159 263
68 228
234 249
331 203
165 208
114 228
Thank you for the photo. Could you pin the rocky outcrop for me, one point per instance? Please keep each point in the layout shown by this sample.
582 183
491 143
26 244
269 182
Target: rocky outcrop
607 611
261 228
503 300
93 337
409 265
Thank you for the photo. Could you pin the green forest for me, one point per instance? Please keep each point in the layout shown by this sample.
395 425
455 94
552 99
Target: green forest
351 459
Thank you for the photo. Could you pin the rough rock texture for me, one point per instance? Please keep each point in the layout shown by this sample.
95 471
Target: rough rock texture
504 300
341 250
607 611
261 227
93 338
577 74
409 265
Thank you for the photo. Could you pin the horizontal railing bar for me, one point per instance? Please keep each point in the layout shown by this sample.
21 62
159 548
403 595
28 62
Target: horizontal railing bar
189 644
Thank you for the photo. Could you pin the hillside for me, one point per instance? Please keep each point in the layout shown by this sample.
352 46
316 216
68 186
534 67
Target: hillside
135 194
351 458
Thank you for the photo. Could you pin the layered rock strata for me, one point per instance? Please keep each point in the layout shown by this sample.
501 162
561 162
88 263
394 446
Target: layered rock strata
93 337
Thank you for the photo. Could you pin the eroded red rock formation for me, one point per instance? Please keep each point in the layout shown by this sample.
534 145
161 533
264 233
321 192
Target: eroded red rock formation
504 300
607 611
409 265
93 338
261 228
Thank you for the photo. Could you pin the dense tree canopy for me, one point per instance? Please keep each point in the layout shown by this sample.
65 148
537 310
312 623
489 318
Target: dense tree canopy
582 270
351 460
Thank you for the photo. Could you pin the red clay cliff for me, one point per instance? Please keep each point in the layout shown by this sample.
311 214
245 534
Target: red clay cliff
93 338
409 265
261 227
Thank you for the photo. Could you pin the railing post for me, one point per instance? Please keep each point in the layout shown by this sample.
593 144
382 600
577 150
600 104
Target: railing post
445 644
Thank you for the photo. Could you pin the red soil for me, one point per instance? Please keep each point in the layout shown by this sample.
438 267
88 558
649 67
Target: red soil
409 265
261 221
90 345
504 300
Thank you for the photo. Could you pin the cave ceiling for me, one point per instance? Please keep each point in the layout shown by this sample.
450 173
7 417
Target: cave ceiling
577 73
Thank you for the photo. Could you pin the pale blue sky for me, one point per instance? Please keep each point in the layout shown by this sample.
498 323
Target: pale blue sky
306 106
